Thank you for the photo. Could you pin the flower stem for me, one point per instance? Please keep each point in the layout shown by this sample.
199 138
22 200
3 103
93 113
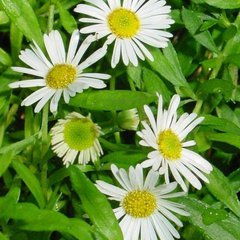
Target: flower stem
44 165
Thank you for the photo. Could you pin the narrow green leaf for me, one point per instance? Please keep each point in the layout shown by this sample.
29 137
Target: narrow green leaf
234 179
22 15
31 181
3 237
216 86
221 124
3 18
5 59
221 228
33 219
167 64
234 59
18 146
224 4
221 188
11 198
95 204
229 138
135 73
16 41
124 159
68 21
153 83
112 100
5 160
193 23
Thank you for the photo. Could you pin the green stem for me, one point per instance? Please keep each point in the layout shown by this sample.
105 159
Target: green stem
44 165
131 84
198 106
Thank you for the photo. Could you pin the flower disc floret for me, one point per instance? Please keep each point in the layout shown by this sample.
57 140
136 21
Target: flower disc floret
80 134
123 23
169 145
139 204
60 76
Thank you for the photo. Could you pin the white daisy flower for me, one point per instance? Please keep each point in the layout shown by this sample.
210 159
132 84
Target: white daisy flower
63 74
76 137
166 136
130 24
144 208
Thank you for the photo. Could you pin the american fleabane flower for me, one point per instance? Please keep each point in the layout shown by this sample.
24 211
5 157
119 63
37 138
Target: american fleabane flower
128 119
144 206
130 24
166 136
63 74
74 137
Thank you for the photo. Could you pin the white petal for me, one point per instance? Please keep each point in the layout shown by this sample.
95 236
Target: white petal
82 49
43 101
93 58
55 100
72 46
28 83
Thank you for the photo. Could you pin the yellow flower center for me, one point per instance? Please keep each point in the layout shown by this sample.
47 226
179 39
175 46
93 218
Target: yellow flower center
60 76
139 204
169 145
123 23
80 134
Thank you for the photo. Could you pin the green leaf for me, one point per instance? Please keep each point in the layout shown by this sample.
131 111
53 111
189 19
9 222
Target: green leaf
221 188
135 73
216 86
153 83
167 64
18 146
111 100
31 181
5 160
11 198
193 23
124 159
3 18
224 4
22 15
229 138
224 229
16 41
66 18
33 219
96 205
234 59
234 179
5 59
221 124
213 215
3 237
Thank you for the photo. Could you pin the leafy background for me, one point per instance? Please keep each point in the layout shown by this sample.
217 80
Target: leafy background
41 199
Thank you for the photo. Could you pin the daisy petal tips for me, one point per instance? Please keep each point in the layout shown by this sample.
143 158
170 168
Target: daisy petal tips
145 211
74 137
62 73
130 25
166 136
